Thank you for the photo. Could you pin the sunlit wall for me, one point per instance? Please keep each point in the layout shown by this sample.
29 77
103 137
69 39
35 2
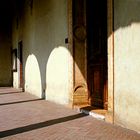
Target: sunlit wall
127 63
42 28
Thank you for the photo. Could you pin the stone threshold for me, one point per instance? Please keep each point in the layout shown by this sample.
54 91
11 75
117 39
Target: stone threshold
99 114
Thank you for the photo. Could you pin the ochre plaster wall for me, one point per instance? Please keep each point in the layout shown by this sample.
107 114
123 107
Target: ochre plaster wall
127 63
5 59
43 29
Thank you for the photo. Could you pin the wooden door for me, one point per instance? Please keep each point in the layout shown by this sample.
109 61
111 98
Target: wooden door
96 15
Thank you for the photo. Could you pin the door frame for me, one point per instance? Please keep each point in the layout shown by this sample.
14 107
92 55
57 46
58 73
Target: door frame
110 49
110 24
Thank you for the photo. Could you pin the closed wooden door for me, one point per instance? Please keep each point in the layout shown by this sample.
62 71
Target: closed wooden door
96 15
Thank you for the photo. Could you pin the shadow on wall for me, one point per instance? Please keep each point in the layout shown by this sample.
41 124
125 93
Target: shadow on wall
45 57
46 64
5 56
126 13
39 70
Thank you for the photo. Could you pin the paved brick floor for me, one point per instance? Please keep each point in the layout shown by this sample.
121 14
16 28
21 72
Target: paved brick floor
25 117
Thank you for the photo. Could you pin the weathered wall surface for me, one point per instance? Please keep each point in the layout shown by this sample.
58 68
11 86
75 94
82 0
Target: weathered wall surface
127 63
5 58
14 46
43 29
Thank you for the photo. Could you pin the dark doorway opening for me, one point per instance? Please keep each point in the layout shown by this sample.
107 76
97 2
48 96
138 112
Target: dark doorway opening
20 58
96 17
